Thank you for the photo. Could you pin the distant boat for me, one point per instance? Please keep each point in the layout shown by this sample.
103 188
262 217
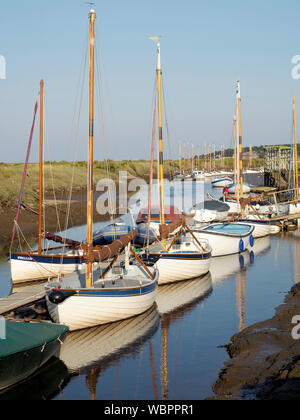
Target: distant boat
27 347
210 211
221 182
198 175
246 188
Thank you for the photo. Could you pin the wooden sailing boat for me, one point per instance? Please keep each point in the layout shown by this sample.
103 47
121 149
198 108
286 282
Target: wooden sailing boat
103 295
182 257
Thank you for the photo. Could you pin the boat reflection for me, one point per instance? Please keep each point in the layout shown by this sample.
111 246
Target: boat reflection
224 267
99 346
182 296
174 301
45 384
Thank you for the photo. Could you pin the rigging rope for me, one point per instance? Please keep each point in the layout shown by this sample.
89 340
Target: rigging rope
24 173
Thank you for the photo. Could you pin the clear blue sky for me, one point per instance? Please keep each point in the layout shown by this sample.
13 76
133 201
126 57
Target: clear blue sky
206 47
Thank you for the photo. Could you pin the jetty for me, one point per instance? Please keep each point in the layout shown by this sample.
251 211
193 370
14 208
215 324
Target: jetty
22 299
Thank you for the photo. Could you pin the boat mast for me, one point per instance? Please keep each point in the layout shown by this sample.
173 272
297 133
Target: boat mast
239 133
92 17
235 155
295 149
160 135
237 144
41 164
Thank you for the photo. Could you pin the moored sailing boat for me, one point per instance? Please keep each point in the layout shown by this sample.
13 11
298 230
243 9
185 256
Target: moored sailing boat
42 263
94 297
179 259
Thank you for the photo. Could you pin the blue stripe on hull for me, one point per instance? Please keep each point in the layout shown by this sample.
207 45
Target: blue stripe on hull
116 293
53 259
181 256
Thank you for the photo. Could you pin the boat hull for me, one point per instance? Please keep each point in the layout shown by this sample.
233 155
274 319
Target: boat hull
221 182
20 365
261 228
174 267
27 268
246 189
90 307
225 243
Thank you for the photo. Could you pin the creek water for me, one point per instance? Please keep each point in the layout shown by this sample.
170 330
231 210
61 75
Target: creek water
173 351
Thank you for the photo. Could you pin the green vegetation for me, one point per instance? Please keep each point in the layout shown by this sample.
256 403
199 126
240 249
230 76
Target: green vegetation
58 177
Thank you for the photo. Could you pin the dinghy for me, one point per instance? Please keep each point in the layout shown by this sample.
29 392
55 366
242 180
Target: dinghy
25 348
226 238
210 211
221 182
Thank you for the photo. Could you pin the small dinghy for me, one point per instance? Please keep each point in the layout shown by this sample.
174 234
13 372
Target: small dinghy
226 238
210 211
221 182
27 347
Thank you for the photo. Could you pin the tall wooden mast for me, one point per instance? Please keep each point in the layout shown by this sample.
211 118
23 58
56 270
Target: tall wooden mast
235 155
92 17
295 150
160 135
240 146
180 169
41 164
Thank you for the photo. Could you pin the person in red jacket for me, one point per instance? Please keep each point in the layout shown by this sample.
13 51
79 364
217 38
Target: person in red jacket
225 192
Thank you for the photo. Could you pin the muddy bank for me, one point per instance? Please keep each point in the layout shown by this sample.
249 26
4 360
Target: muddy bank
265 359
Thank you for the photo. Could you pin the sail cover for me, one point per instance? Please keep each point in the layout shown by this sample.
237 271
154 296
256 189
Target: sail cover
110 251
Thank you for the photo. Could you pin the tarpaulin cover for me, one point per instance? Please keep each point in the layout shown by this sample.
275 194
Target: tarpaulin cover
23 336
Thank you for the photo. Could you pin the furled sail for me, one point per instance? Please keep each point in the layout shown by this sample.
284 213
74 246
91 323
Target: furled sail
110 251
166 230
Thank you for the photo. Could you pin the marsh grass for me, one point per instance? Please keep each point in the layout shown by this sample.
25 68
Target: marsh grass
59 175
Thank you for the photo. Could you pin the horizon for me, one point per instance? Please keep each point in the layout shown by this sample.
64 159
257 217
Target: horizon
206 47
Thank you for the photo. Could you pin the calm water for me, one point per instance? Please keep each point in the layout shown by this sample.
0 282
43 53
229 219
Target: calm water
174 355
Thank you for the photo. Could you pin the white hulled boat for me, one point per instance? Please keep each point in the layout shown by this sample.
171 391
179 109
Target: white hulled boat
226 238
178 259
95 297
221 182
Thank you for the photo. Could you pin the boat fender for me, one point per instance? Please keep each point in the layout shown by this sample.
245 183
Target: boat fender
242 247
56 297
251 241
252 257
242 261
